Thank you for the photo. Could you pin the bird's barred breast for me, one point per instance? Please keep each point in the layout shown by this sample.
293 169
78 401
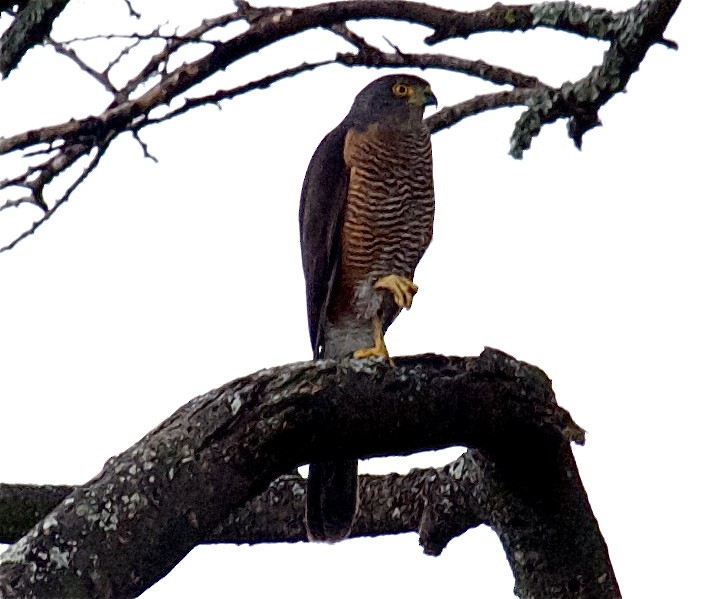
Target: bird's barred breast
388 219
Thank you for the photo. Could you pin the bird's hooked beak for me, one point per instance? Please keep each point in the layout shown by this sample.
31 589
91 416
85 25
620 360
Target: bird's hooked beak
429 97
423 96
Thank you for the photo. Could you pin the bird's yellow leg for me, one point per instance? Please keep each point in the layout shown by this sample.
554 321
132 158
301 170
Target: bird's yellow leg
402 289
379 349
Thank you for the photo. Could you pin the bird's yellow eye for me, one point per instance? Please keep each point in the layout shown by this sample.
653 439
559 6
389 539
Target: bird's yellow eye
401 89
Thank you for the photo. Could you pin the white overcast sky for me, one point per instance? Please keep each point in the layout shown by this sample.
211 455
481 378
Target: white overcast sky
158 282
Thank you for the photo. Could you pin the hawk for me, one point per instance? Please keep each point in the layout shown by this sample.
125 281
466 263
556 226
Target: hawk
365 219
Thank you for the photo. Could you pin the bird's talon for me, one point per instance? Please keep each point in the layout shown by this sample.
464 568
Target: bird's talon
379 349
371 352
402 289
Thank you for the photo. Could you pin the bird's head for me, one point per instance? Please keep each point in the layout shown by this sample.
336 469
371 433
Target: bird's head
393 99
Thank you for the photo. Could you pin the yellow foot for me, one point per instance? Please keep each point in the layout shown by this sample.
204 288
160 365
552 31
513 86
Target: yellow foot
402 288
372 352
379 349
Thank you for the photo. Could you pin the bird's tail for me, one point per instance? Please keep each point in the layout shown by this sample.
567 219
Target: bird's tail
331 500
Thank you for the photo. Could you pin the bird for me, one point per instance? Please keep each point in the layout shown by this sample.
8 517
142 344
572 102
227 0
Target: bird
365 221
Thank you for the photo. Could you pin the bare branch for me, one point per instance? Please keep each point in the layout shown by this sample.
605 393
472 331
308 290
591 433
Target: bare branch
449 116
229 94
36 178
350 36
372 57
133 12
143 145
122 54
631 34
265 31
142 37
64 50
49 212
17 203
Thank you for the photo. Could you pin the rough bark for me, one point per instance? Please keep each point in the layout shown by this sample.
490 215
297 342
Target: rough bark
389 504
632 33
31 26
184 482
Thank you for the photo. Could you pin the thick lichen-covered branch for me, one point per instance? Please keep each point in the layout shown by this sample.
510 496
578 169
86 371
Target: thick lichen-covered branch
149 506
30 27
632 33
436 502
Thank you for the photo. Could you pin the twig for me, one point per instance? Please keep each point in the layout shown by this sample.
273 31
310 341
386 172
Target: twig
350 36
122 54
16 203
143 37
133 12
229 94
70 53
62 200
143 145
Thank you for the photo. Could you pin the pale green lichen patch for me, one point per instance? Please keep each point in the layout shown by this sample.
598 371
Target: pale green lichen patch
235 402
59 559
49 522
509 16
598 22
132 504
186 454
631 26
15 554
298 490
456 469
366 366
40 559
580 100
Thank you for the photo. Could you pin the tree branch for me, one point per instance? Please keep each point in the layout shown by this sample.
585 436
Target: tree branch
70 53
451 115
630 34
229 94
31 26
371 57
287 22
390 504
633 33
184 479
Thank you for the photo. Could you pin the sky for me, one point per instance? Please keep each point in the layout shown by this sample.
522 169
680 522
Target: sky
160 281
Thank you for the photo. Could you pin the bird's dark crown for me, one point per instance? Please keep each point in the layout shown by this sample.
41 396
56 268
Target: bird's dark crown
391 98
